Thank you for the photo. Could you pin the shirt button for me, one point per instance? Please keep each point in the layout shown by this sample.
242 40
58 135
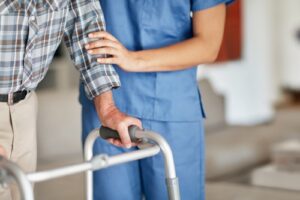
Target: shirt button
32 18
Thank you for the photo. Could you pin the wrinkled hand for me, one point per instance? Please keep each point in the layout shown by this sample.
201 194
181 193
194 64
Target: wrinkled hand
2 152
120 122
113 51
111 117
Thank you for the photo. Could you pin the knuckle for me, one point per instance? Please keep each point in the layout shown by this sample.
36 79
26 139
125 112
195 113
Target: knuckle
97 44
120 46
109 50
105 43
115 42
121 125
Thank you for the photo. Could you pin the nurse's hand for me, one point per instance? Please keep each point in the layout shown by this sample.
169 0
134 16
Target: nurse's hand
111 117
114 51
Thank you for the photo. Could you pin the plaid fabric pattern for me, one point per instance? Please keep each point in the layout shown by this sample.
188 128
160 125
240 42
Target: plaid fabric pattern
30 33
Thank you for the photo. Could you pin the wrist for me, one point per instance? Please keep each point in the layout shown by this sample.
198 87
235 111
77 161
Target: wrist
104 104
140 61
107 116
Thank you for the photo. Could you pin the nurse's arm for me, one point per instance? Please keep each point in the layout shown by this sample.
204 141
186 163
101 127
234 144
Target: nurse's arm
203 47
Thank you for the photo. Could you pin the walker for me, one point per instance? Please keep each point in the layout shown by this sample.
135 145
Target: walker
151 144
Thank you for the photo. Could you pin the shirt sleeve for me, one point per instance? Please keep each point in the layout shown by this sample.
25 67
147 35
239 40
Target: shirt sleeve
84 17
198 5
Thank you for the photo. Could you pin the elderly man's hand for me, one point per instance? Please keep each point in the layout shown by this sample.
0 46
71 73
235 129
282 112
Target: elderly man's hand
2 151
111 117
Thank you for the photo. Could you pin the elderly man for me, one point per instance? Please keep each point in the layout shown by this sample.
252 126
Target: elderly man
30 32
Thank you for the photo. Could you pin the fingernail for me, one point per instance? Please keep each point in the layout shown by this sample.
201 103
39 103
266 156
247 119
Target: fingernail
87 46
91 35
128 146
90 51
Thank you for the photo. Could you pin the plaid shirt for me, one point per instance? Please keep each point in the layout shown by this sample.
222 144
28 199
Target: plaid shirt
30 32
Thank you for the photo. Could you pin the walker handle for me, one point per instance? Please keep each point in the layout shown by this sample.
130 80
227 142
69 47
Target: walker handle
107 133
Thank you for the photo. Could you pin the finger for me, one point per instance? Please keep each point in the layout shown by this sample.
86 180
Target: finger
105 50
103 43
137 122
124 135
110 140
117 143
113 60
134 144
102 34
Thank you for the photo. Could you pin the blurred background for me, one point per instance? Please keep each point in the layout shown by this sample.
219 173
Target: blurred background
252 100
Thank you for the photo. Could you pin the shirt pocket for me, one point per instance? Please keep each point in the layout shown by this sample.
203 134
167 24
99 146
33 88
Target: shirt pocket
167 18
55 5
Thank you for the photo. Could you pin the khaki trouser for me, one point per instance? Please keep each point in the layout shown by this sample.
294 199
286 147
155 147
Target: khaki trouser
18 137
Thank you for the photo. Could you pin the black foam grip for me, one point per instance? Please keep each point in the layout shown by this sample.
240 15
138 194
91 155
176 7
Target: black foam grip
107 133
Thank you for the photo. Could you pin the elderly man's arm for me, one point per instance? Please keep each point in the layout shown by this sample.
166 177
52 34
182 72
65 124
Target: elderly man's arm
85 16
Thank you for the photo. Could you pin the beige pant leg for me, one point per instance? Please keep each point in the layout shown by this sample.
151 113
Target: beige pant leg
23 117
6 141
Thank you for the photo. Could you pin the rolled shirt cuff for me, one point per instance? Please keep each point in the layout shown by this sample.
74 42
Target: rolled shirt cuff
97 81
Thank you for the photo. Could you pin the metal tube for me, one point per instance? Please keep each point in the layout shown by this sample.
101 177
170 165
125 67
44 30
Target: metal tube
132 156
103 161
172 181
171 178
165 148
97 162
173 188
59 172
88 154
13 170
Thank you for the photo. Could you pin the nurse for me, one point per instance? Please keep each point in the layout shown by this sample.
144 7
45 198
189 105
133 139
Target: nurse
155 46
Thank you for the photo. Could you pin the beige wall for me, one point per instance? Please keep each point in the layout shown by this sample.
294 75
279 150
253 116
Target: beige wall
270 61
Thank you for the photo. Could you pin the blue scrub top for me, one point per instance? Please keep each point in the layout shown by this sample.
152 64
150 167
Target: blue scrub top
148 24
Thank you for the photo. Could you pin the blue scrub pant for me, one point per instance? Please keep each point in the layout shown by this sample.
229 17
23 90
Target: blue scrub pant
132 181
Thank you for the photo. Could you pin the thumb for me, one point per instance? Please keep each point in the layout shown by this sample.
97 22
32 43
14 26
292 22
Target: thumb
136 122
